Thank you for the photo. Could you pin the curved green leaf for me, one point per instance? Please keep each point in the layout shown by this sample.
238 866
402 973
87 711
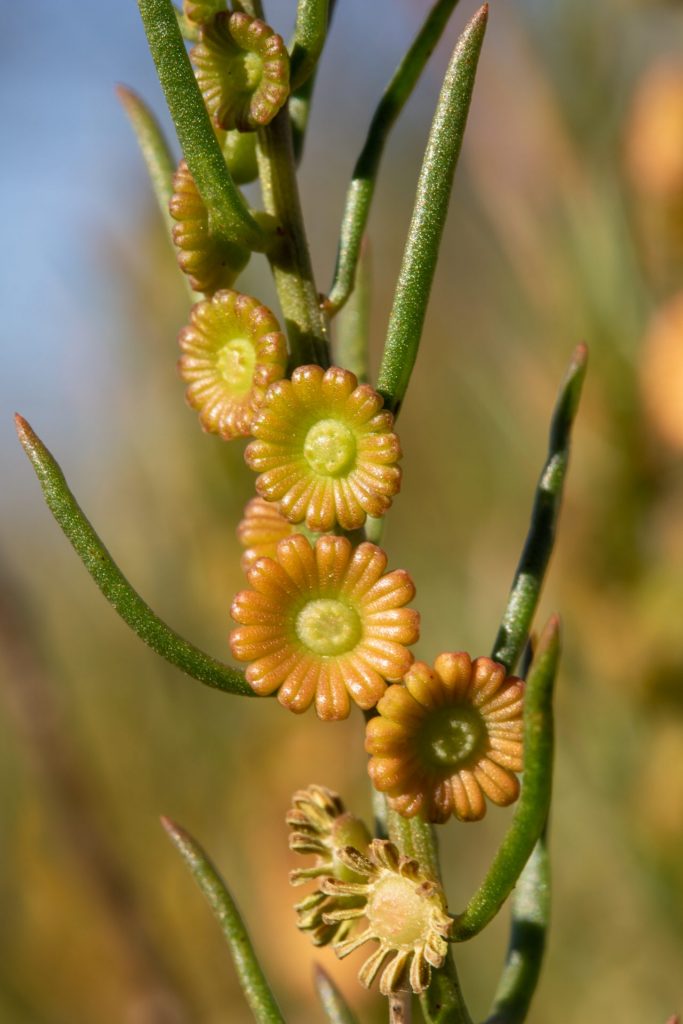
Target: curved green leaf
429 215
251 977
530 919
530 573
362 187
111 581
333 1002
531 812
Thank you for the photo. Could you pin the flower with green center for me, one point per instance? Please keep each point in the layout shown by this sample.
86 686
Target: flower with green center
405 911
448 738
232 350
324 624
242 68
210 263
321 825
325 449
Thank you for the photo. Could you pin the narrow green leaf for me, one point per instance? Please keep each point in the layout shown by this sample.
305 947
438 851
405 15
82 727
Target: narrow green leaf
251 977
353 325
333 1002
530 573
429 215
309 39
155 150
362 187
530 919
230 217
301 98
531 812
111 581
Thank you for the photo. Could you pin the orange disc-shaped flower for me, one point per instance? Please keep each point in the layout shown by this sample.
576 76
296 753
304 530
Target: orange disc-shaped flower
232 350
260 530
448 738
325 449
324 625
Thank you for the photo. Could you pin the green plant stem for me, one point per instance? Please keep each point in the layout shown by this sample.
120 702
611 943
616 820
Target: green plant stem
530 573
531 812
443 1002
362 187
530 919
229 216
301 98
251 977
429 215
290 260
415 838
353 325
309 39
333 1002
111 581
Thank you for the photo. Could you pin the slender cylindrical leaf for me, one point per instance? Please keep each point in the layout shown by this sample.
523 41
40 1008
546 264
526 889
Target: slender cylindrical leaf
353 324
429 215
229 215
538 546
154 147
531 812
111 581
309 39
333 1002
251 977
530 919
362 187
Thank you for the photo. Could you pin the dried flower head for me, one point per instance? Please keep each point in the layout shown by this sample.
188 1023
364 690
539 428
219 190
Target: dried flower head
242 70
209 262
451 736
232 350
321 825
260 530
405 911
325 449
324 624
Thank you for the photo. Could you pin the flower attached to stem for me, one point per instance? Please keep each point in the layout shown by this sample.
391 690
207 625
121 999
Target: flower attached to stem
321 825
242 70
324 624
209 262
260 530
325 449
232 350
451 736
405 911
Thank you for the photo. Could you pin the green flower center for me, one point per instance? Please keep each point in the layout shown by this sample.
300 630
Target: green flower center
328 627
398 913
330 448
450 736
235 364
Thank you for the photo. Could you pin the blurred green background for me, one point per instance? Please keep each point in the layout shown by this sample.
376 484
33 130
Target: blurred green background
566 224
